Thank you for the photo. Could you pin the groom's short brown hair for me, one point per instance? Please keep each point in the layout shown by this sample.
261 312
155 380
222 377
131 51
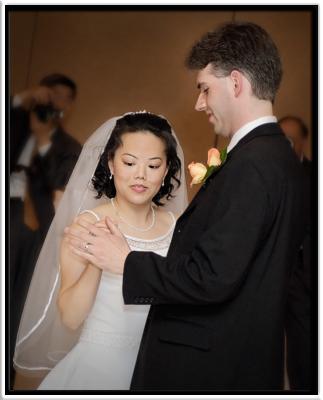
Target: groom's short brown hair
241 46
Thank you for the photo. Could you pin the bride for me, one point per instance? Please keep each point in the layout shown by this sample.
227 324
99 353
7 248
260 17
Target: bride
75 323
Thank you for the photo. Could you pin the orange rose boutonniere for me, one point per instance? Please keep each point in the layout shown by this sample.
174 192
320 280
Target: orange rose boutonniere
199 172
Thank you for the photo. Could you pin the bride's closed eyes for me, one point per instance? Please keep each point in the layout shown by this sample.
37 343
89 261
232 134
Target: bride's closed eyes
131 162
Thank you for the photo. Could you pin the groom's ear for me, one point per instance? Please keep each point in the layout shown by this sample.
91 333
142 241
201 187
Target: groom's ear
236 81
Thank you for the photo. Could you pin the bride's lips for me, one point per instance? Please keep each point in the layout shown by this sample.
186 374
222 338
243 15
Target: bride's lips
138 188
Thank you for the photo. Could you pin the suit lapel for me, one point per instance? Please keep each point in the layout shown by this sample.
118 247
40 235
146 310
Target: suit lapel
200 193
269 129
262 130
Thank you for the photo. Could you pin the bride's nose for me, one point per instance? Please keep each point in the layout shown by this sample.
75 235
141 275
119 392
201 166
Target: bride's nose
141 172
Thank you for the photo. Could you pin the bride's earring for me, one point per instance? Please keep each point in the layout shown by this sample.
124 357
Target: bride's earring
111 176
163 184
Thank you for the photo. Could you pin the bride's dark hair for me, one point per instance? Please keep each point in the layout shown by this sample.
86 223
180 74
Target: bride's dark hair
135 122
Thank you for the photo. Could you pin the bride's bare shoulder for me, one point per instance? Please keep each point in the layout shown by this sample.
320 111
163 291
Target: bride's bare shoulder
95 214
101 211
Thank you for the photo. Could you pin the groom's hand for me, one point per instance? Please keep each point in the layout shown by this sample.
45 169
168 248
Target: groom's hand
105 248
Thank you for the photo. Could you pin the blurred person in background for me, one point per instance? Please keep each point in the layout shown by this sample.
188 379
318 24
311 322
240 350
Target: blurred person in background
299 315
42 157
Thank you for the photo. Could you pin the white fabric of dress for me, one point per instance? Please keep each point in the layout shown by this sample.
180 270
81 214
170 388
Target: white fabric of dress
105 355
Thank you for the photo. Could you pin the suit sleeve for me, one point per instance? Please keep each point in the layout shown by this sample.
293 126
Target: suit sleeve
214 269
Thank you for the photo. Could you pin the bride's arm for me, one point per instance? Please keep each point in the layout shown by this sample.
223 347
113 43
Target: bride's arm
79 285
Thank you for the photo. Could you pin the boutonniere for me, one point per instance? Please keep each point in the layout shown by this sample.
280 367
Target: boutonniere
199 172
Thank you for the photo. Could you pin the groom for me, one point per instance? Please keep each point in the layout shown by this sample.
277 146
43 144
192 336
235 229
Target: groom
218 299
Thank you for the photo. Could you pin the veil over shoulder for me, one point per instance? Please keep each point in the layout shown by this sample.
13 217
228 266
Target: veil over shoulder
42 339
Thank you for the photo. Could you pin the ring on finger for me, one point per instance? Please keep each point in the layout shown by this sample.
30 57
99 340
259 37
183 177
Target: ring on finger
86 246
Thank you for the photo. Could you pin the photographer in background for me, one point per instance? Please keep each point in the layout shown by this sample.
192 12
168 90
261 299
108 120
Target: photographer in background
300 305
55 88
42 157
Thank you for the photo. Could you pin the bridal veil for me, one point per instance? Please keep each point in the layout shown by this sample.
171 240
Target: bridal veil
42 339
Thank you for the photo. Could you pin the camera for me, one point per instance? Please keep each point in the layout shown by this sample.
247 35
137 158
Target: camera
46 112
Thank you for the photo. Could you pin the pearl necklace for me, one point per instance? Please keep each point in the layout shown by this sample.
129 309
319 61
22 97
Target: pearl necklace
135 227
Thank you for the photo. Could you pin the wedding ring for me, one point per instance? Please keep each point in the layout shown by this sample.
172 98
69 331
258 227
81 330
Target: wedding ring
86 247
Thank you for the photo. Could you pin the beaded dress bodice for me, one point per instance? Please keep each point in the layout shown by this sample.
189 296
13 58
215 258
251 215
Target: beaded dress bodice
110 321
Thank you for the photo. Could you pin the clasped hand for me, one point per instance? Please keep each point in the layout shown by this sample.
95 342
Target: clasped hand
101 244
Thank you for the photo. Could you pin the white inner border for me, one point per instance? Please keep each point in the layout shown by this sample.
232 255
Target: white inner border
3 197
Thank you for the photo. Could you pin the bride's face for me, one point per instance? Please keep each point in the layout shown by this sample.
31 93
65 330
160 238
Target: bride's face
139 167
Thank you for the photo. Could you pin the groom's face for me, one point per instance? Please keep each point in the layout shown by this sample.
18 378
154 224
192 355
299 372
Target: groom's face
215 98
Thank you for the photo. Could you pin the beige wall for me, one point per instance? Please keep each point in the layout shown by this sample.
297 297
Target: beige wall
133 60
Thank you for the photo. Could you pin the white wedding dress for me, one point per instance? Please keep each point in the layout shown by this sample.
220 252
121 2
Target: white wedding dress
105 355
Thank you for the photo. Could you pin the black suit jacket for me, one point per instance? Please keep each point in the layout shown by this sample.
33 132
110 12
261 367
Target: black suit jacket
218 298
51 172
19 133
